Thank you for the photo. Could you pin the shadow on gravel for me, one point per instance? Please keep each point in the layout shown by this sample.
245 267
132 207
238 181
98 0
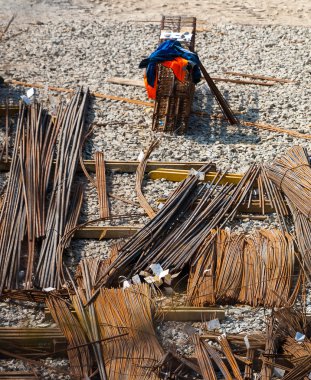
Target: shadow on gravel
206 125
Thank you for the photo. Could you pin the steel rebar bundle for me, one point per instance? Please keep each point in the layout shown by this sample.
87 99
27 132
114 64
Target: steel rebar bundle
33 220
128 311
113 336
291 173
258 270
174 241
78 351
303 238
22 216
49 266
165 221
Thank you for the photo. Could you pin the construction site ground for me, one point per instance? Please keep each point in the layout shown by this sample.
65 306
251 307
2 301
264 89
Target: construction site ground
70 43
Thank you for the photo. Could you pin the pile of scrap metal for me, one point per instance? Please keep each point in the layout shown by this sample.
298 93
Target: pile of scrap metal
283 352
106 311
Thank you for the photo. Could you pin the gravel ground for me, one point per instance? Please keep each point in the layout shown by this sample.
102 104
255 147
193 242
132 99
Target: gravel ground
86 53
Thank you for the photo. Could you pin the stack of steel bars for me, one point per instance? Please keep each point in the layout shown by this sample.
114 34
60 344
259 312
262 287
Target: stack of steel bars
23 212
292 174
64 208
258 270
116 331
179 229
30 239
166 220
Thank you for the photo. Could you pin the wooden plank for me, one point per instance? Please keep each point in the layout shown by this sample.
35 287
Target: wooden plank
95 94
126 81
106 232
262 77
131 166
140 83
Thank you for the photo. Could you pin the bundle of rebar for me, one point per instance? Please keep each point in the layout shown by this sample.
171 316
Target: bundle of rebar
23 214
31 243
78 350
292 174
116 331
303 238
257 270
175 234
155 230
62 209
207 355
128 312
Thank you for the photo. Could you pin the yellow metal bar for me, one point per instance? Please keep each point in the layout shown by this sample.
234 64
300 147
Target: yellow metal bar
254 206
131 166
179 175
106 232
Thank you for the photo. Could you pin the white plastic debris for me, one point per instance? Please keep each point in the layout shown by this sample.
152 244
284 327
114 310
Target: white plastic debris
25 99
214 324
299 337
154 280
278 372
141 156
201 175
170 35
126 284
160 206
48 289
30 93
136 279
156 269
246 341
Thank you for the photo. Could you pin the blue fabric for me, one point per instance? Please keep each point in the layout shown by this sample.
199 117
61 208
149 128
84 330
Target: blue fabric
167 51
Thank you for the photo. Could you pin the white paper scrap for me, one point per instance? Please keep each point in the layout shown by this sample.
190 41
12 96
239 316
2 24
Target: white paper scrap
136 279
126 284
25 99
156 269
30 92
213 324
164 273
149 279
299 337
48 289
278 372
160 206
201 175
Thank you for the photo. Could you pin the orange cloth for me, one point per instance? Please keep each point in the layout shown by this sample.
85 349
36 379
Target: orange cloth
178 65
